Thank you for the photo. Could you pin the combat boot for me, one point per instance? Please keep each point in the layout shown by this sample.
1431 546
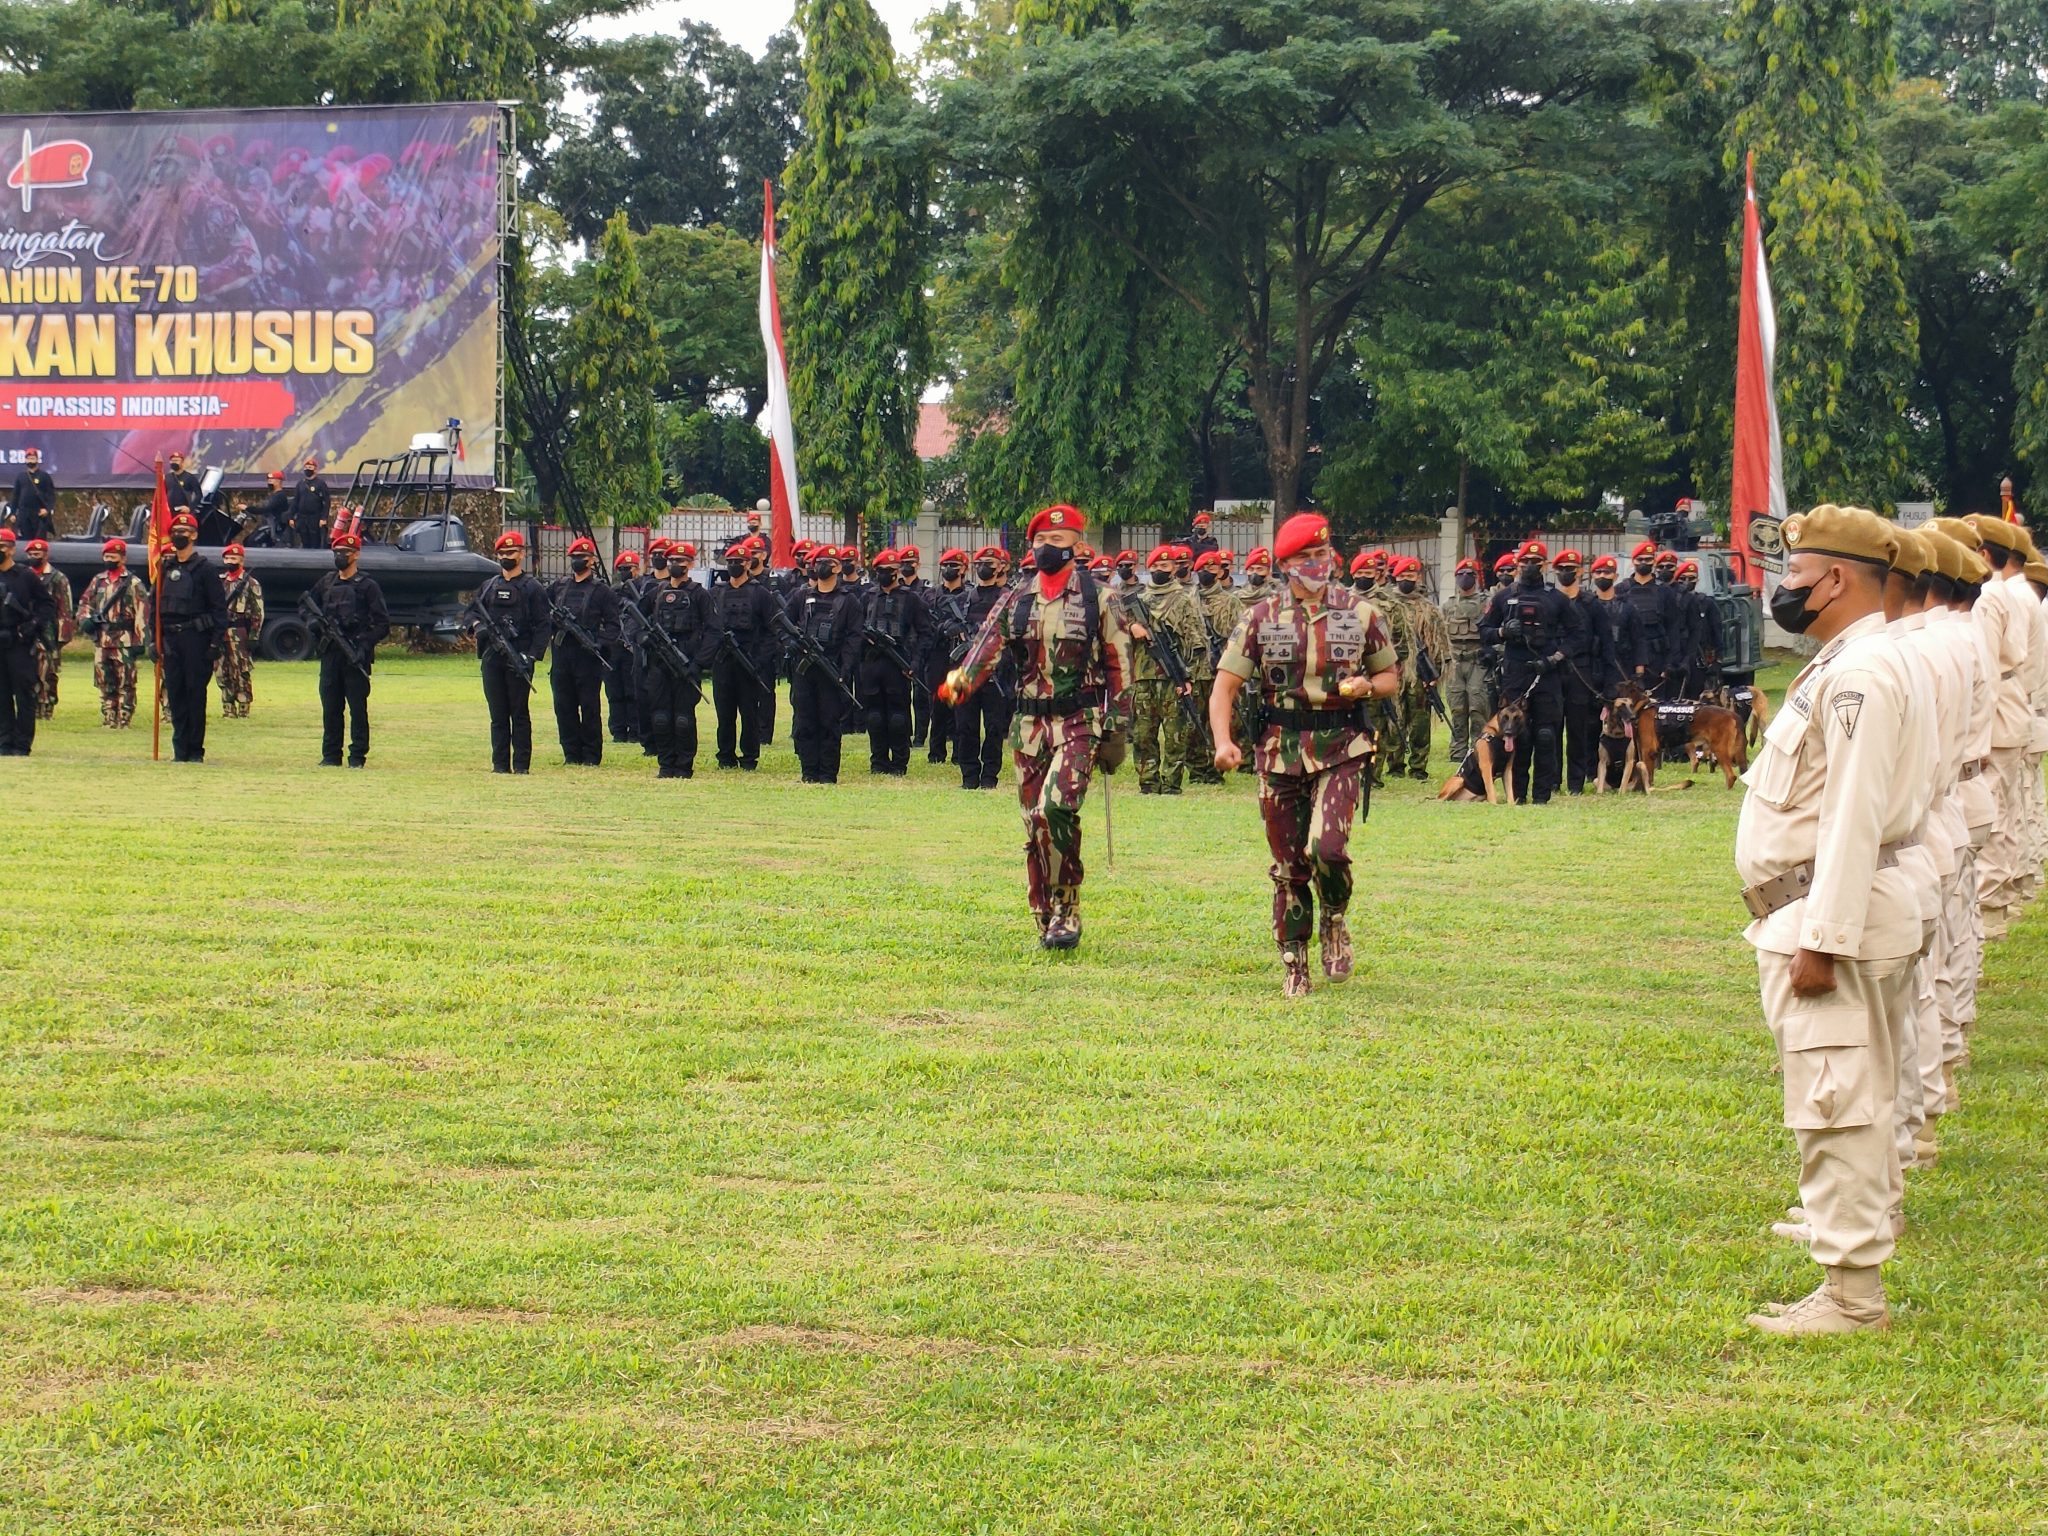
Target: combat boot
1336 947
1848 1301
1294 971
1063 925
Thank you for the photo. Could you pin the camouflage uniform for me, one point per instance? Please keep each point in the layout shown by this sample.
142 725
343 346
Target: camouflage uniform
1159 727
238 649
50 648
1388 719
1426 625
1465 689
1072 689
1297 654
1220 612
111 611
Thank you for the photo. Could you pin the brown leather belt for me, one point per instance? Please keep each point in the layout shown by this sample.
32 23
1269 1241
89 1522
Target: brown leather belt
1780 891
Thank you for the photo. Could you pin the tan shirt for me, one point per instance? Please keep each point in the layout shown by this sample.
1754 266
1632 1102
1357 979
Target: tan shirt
2035 673
1970 800
2005 625
1935 677
1842 772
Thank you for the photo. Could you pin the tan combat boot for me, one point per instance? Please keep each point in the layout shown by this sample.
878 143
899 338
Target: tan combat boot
1336 947
1294 966
1848 1301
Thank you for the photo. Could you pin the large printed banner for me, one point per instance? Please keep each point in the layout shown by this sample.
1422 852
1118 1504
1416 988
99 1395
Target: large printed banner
250 288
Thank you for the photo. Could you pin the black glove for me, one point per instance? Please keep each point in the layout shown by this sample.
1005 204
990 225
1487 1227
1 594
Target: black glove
88 625
1539 665
364 655
1512 630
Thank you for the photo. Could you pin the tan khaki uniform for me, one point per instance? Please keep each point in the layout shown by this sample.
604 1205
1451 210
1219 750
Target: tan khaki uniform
2006 625
1837 786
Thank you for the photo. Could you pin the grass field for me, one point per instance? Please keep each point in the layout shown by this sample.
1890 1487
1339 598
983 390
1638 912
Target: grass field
423 1151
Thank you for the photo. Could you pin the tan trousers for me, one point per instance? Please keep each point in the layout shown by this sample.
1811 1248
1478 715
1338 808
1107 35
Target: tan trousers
1841 1081
1960 953
2001 859
2034 804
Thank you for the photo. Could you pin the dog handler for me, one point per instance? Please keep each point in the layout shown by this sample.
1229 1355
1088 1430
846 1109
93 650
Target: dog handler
1318 652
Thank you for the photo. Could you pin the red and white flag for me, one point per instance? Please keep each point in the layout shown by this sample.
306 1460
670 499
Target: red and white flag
782 501
1759 486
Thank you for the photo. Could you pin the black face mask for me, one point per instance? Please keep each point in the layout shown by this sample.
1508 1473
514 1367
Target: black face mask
1051 559
679 568
885 577
1532 577
1466 581
1568 576
1665 577
1789 610
823 573
1159 578
1255 579
735 567
114 565
182 540
1405 586
342 560
508 562
580 564
1604 583
1207 578
950 573
985 571
1364 583
1642 567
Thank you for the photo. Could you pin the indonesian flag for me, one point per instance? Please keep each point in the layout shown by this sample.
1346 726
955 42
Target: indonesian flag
1759 452
782 502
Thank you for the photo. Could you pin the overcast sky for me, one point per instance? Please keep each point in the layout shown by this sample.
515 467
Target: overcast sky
750 23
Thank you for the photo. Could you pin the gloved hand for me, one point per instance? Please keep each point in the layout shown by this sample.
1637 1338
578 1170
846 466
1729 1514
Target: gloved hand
1110 751
136 653
1512 630
88 625
364 655
1540 665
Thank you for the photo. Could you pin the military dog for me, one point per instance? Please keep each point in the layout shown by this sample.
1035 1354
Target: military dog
1490 756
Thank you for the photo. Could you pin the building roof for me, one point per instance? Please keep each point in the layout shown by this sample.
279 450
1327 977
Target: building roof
936 433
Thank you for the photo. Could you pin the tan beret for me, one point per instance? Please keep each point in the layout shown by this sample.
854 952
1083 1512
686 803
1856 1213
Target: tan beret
1848 533
1961 529
1912 557
1996 530
1944 553
2037 571
1976 569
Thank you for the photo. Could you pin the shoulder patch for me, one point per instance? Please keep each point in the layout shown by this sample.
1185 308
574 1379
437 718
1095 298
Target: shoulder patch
1848 707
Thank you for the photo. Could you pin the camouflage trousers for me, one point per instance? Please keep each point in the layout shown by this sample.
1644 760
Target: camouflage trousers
1201 763
1414 698
49 662
1159 737
1308 829
233 671
1390 730
114 675
1051 784
1469 702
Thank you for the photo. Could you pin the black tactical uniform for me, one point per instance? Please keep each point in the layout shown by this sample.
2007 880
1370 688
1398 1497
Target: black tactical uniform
182 486
981 725
576 677
947 610
356 605
309 511
193 612
274 512
520 605
1530 622
1655 604
743 609
1589 671
1702 623
640 592
621 684
26 610
681 611
35 504
817 707
898 613
1623 638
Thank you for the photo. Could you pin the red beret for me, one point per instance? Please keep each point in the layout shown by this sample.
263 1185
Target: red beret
583 546
1533 549
1667 555
37 544
1301 531
684 548
1606 563
1647 550
886 557
1688 567
511 538
1060 516
236 549
1505 563
1224 555
1568 557
1127 556
1208 558
908 554
277 474
992 552
953 556
355 541
658 543
1259 556
185 520
1407 565
626 557
111 547
1162 554
1099 563
6 535
1361 562
1201 519
311 462
1469 565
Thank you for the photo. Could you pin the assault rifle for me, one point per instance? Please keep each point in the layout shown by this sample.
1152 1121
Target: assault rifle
730 642
661 645
1169 658
502 639
955 605
331 631
892 653
1427 674
812 654
571 626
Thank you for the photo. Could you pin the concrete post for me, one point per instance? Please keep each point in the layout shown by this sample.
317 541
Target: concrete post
927 539
1450 548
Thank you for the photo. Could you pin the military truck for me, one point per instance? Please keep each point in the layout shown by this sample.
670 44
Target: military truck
402 506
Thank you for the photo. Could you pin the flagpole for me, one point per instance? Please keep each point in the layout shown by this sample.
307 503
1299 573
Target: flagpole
159 516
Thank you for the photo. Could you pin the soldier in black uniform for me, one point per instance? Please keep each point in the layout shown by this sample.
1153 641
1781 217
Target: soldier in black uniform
640 591
191 612
181 483
622 712
743 609
576 677
831 615
898 613
946 608
519 604
1529 622
1702 632
680 609
1622 637
354 604
981 722
274 511
26 610
310 507
1198 541
1589 671
35 500
1655 605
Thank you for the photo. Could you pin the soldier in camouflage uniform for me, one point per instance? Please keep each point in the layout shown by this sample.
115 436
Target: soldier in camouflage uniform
1159 727
1220 612
235 669
110 614
1073 709
1426 629
1316 653
57 633
1467 697
1388 720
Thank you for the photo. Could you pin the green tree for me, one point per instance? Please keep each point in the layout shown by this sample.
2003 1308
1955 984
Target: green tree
1982 51
615 366
703 289
1809 78
2004 214
853 298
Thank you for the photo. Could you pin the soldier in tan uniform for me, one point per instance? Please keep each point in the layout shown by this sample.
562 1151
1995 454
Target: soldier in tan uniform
2001 612
1834 793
